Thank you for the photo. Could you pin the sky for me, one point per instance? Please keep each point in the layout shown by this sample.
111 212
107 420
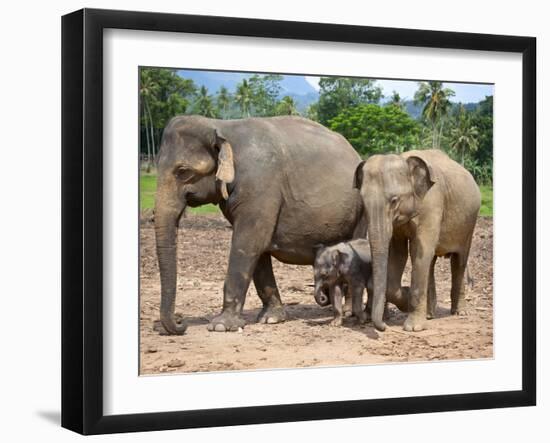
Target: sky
464 92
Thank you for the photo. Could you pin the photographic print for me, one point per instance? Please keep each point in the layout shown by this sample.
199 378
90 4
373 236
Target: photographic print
254 206
293 221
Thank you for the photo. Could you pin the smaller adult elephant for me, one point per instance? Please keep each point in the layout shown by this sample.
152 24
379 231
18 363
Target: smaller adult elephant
424 201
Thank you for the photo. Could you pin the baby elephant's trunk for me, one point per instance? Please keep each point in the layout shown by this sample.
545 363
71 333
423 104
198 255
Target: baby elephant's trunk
321 296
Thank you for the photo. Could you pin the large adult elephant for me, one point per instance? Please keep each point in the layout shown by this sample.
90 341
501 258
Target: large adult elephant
424 201
284 184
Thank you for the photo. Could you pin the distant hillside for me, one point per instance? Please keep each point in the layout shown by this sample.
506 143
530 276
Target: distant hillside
415 111
213 80
303 102
295 86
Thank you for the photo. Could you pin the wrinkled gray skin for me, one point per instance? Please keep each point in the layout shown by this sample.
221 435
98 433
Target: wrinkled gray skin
345 265
284 184
424 201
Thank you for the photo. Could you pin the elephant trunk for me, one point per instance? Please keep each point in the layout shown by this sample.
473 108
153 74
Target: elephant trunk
320 295
166 228
380 232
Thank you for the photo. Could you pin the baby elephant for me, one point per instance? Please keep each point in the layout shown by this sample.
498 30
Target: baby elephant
345 267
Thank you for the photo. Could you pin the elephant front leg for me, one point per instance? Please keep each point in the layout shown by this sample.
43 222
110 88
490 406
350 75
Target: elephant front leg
421 264
348 305
266 287
395 293
241 266
336 300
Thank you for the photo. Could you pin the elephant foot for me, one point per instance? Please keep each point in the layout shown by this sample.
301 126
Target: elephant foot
348 313
336 322
401 299
368 315
272 315
226 323
361 317
414 323
461 312
430 314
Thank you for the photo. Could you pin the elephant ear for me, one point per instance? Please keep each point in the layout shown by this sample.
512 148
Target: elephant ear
338 259
358 176
421 174
226 169
318 249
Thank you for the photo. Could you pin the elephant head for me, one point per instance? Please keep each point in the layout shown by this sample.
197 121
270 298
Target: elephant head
392 188
195 165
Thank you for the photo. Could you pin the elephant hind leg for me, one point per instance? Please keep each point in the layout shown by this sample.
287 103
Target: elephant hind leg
266 287
459 263
432 293
348 297
458 268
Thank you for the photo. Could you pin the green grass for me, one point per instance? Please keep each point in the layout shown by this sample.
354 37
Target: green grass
148 187
486 201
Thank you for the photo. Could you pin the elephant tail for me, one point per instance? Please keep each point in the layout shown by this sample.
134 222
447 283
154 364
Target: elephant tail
469 278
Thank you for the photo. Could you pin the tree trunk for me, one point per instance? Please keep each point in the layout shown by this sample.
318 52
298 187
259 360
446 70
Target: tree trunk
148 167
152 135
442 122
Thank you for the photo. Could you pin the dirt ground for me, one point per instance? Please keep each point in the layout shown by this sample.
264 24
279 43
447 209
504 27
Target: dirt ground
305 339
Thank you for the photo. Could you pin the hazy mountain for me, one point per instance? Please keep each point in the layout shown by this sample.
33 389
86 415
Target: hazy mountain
296 86
415 111
213 80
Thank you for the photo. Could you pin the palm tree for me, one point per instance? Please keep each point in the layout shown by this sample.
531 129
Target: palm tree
204 103
436 103
244 97
223 101
287 106
147 90
464 135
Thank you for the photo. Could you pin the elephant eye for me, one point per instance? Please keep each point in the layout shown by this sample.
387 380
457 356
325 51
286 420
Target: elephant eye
184 175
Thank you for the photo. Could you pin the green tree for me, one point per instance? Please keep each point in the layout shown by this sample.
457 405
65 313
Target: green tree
312 112
436 103
164 94
395 100
265 93
337 94
482 119
373 129
147 90
464 136
287 106
243 97
204 105
223 101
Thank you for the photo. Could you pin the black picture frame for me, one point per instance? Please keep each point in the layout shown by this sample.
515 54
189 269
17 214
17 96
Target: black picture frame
82 218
